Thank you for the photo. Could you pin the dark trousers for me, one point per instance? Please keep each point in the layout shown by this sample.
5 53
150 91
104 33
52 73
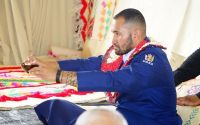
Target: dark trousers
58 112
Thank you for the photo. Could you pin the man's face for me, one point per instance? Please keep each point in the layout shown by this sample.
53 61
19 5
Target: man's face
122 39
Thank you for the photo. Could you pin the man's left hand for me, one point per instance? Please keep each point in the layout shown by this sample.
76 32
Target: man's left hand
45 70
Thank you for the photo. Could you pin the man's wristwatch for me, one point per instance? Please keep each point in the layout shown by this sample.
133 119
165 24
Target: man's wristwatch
198 95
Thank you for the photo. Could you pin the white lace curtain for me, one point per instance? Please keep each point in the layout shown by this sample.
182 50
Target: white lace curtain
32 26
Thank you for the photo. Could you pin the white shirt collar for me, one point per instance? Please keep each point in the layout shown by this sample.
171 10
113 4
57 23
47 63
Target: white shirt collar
126 56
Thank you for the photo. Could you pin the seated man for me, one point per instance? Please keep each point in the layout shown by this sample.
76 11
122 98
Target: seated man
139 82
101 116
188 70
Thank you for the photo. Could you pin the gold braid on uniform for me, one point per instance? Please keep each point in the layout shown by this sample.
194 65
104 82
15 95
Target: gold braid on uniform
68 77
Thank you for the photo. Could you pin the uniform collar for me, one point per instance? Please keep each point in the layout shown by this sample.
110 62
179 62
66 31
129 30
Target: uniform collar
127 55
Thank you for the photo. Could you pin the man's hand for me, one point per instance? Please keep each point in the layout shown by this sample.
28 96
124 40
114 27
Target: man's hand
32 60
46 69
190 100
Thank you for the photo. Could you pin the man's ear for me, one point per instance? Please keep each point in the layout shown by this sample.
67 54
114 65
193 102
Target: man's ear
136 34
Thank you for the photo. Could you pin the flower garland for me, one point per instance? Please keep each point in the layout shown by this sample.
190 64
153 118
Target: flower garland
111 63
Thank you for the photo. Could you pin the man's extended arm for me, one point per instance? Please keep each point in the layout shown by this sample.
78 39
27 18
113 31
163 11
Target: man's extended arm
93 63
130 78
189 69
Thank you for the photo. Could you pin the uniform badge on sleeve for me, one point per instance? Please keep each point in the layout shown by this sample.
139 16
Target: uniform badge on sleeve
149 58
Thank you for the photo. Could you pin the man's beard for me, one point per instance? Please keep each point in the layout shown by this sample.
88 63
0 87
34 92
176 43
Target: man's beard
127 48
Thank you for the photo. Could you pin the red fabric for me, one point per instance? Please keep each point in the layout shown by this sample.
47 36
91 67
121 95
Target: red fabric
83 32
6 69
65 93
50 53
87 18
10 67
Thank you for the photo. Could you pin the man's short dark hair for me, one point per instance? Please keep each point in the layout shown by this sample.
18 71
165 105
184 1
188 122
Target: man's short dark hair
133 16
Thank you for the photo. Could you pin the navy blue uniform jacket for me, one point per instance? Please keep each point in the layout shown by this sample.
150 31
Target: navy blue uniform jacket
146 86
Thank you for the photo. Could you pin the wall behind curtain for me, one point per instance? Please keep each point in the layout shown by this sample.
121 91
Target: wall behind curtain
187 40
32 26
